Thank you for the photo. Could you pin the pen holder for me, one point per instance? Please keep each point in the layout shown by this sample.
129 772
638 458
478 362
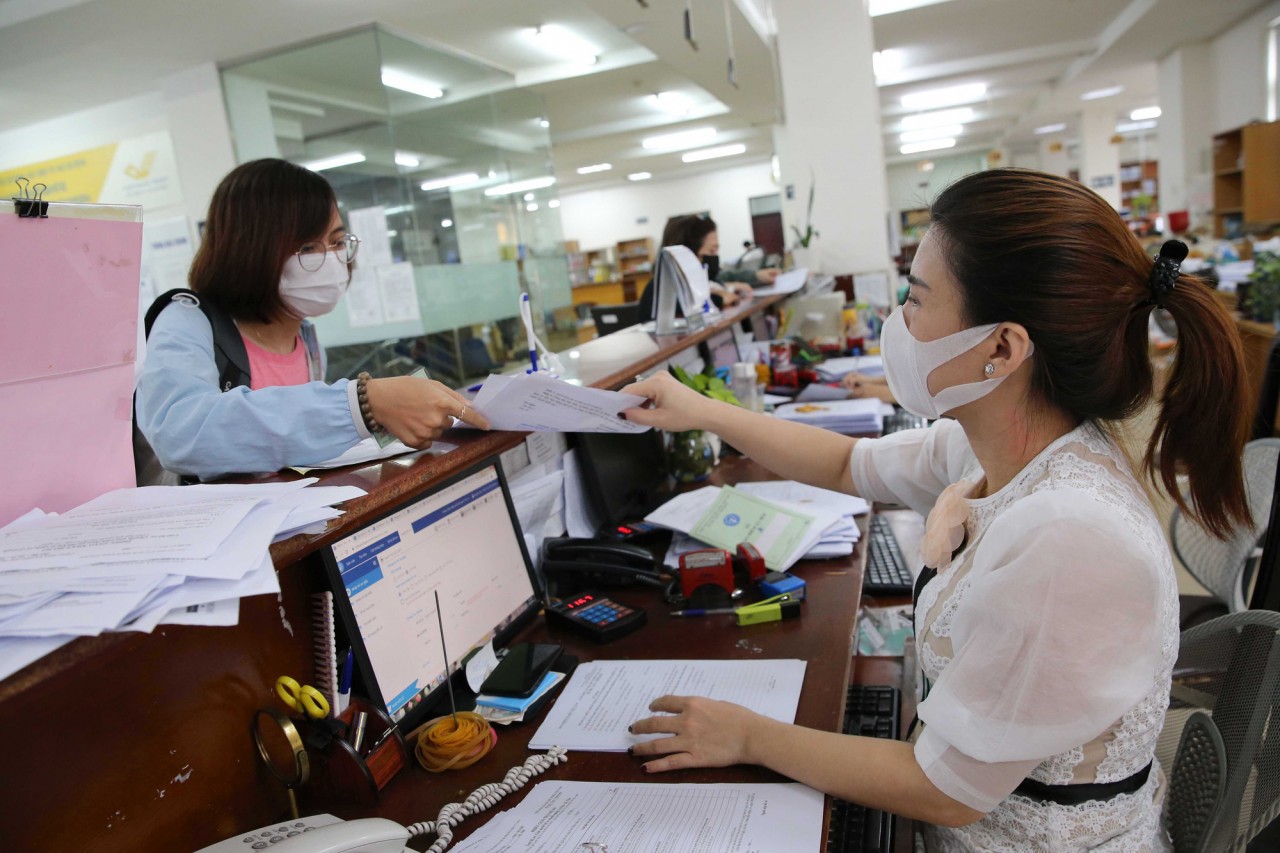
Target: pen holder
341 775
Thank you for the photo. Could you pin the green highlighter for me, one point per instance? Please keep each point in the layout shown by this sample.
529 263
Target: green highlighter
775 609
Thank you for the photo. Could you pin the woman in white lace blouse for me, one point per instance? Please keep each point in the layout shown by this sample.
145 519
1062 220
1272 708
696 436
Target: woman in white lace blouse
1047 614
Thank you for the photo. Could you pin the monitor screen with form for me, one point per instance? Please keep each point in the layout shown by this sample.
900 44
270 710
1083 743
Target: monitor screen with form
460 539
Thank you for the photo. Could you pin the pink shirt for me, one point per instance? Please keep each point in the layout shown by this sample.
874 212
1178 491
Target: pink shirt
269 369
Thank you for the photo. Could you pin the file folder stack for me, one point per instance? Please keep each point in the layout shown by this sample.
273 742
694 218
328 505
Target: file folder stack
133 559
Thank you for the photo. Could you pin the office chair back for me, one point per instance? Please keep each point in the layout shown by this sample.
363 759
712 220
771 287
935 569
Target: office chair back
611 318
1224 780
1220 565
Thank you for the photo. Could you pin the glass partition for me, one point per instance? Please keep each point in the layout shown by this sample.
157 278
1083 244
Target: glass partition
442 167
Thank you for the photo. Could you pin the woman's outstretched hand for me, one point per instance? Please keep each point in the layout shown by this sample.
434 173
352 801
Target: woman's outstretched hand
417 410
674 407
704 733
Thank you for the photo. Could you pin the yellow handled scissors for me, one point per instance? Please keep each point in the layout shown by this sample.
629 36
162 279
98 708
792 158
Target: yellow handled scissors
302 698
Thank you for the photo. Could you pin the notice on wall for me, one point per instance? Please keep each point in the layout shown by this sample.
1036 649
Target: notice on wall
398 292
166 257
363 301
370 225
140 170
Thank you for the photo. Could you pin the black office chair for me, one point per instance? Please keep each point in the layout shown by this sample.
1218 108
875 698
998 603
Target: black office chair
611 318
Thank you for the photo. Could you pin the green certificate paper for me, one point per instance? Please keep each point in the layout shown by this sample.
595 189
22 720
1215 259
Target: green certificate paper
736 517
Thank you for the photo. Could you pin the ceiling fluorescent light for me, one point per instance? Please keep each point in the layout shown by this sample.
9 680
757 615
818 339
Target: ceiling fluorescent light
639 176
887 62
598 167
931 133
543 123
1102 93
935 145
1134 126
531 207
348 159
1145 113
876 8
676 103
1051 128
554 203
713 153
682 139
451 181
407 160
520 186
409 83
564 44
959 115
446 223
934 98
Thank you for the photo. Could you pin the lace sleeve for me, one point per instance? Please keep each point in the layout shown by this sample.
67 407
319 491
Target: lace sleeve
1057 637
911 467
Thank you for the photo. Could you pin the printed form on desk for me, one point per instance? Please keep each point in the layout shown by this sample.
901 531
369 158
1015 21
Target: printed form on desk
604 697
636 817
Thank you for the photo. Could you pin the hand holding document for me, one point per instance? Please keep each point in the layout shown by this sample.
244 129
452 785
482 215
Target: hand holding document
621 817
536 402
787 282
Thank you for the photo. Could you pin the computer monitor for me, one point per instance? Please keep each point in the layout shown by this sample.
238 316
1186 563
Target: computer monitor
614 318
623 473
722 349
461 539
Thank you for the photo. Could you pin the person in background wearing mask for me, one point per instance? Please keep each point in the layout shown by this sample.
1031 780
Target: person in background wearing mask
274 253
1046 614
698 235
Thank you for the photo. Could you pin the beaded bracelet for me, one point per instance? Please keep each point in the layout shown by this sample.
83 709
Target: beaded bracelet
362 397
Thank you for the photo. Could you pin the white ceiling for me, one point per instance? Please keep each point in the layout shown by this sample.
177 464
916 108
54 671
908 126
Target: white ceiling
1036 57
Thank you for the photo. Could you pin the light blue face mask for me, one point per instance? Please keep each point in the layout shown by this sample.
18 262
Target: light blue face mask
908 363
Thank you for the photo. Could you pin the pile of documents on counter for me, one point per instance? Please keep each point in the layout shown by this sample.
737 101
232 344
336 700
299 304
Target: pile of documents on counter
851 417
787 521
134 559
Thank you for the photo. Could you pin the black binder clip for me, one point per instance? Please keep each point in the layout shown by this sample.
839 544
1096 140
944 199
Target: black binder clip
31 204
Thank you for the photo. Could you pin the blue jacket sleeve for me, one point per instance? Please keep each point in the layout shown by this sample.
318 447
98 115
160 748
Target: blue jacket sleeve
196 429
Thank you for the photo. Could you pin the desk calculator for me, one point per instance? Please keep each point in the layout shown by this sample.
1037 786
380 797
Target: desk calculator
600 618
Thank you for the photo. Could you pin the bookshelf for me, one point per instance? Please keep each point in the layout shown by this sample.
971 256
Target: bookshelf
1246 179
635 265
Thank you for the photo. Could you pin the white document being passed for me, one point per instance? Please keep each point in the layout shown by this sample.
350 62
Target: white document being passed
604 697
637 817
808 496
535 402
787 282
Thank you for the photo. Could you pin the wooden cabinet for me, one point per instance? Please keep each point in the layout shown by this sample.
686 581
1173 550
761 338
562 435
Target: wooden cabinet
635 264
1140 187
1246 179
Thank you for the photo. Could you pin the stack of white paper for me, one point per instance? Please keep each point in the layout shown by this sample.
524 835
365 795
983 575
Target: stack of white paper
832 532
835 369
851 417
133 559
536 402
618 816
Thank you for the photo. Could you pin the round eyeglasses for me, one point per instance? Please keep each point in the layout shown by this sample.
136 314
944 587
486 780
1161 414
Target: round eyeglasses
312 255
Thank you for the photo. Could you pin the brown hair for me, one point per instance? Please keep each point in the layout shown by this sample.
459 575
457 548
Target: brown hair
688 231
261 213
1050 254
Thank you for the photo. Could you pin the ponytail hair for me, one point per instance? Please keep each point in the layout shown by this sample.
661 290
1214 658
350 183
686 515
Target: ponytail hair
1050 254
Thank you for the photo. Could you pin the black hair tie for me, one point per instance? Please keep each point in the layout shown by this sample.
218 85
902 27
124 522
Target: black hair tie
1164 273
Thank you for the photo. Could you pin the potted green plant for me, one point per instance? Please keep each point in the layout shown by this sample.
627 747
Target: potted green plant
691 456
801 253
1264 287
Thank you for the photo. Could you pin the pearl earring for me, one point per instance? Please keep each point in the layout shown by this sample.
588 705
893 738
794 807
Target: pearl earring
989 370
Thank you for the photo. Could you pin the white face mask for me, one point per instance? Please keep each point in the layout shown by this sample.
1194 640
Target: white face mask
908 363
314 293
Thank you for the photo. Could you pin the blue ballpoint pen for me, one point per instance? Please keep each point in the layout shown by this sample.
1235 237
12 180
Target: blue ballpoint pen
344 688
704 612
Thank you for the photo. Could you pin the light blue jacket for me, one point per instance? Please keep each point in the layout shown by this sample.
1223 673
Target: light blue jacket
198 430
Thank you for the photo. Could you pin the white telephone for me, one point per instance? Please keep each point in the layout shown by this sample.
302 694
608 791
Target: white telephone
324 833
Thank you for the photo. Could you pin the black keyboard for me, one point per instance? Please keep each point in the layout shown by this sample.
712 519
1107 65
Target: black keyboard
902 419
872 711
887 571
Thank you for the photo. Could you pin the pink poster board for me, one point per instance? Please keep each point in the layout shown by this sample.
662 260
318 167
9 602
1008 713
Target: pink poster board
68 341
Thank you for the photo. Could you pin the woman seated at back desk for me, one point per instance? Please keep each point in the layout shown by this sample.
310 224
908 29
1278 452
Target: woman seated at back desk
698 235
274 253
1046 617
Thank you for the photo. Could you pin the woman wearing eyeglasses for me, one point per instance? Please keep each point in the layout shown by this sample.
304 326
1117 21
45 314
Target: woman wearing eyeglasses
274 253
